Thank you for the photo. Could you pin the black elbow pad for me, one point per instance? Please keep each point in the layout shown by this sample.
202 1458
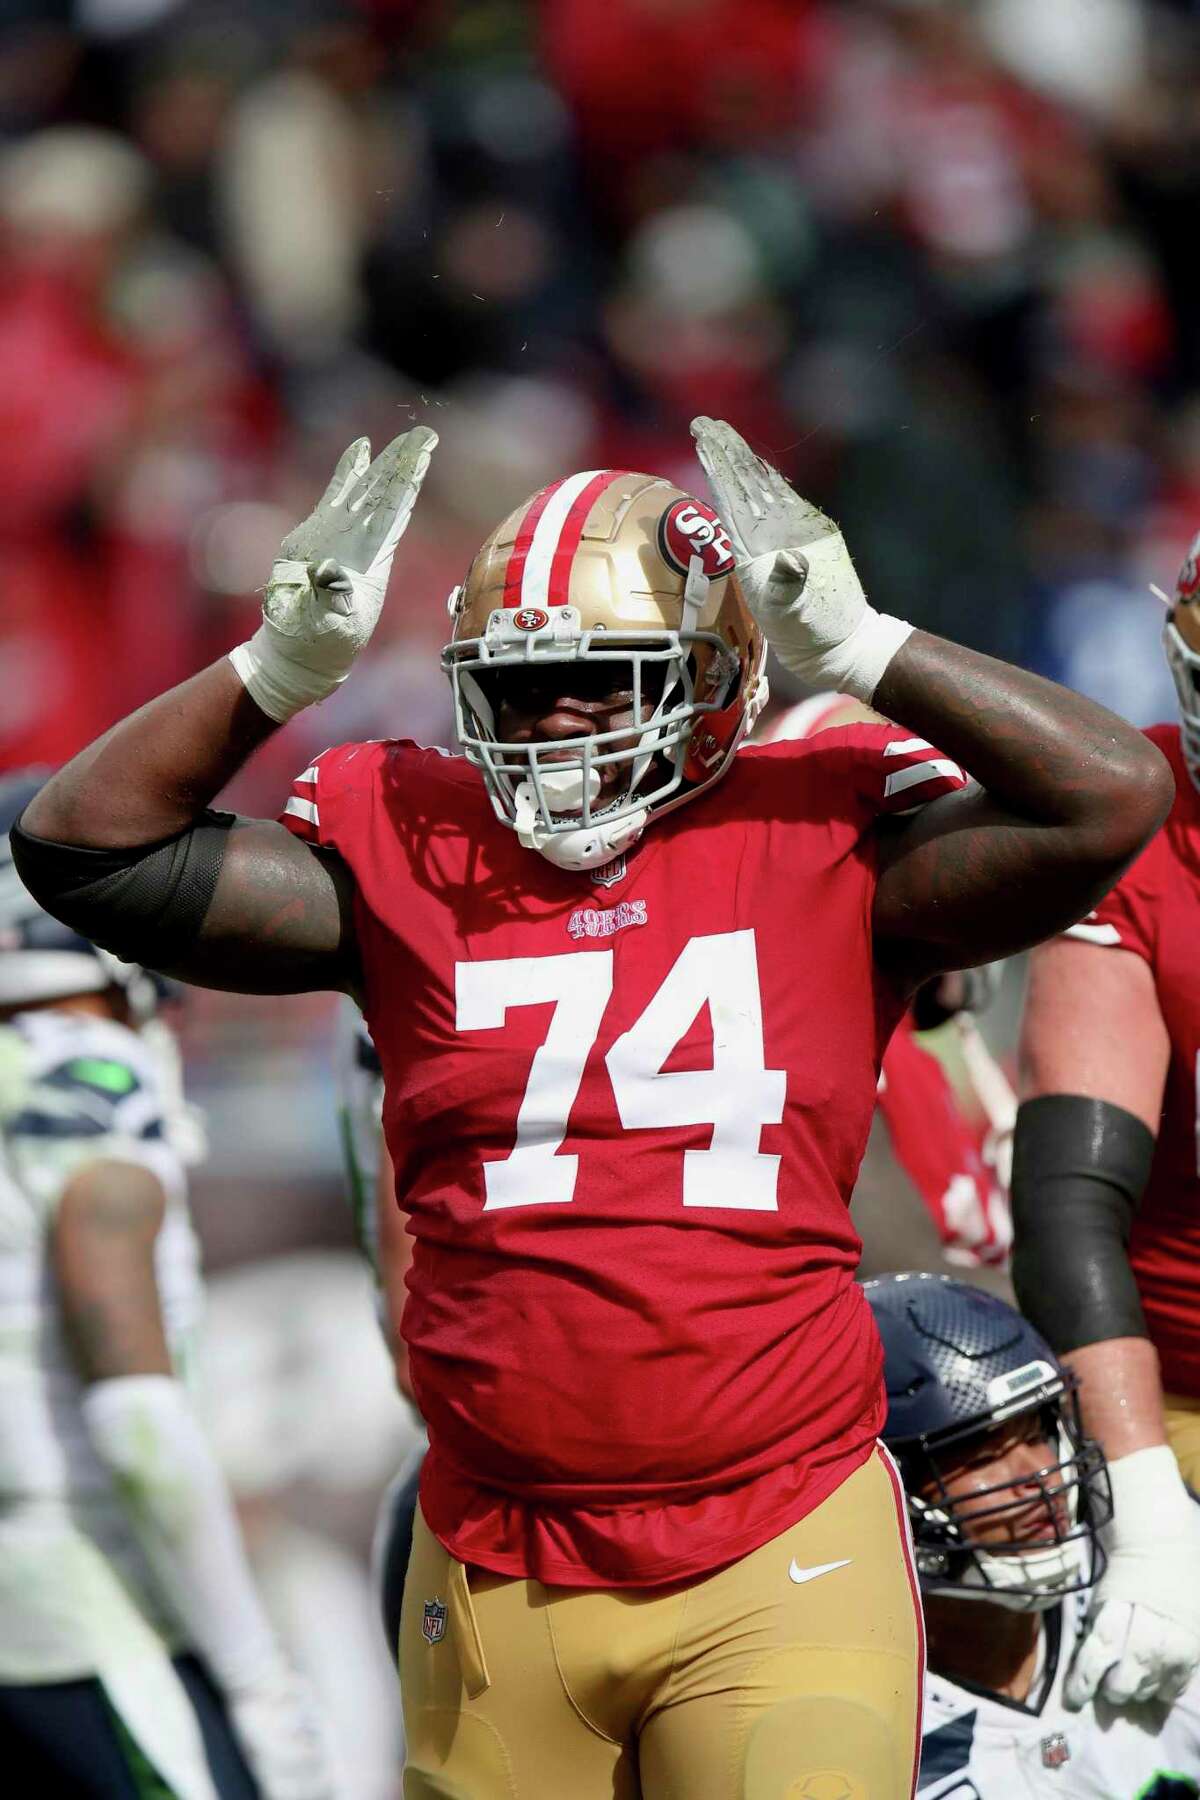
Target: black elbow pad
145 905
1079 1167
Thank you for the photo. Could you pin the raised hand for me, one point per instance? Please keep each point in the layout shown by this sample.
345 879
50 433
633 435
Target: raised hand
326 589
1142 1639
795 571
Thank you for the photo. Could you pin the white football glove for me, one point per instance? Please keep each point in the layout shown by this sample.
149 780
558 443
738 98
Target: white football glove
327 584
279 1727
795 571
1143 1630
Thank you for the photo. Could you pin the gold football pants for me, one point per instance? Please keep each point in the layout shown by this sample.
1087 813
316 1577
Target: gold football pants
794 1674
1183 1435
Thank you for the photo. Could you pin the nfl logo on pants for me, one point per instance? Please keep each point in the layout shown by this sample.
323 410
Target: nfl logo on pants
433 1621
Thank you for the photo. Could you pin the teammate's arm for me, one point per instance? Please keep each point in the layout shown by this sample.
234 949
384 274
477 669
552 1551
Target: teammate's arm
1092 1031
119 843
1068 792
142 1427
1094 1056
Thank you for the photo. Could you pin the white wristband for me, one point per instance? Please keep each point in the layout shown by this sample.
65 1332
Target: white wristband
1147 1484
278 688
856 665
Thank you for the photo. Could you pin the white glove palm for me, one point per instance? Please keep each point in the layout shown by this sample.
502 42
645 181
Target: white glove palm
279 1728
795 571
327 585
1143 1632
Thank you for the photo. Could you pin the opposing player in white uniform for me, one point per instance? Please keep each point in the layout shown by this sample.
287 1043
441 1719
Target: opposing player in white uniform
1006 1496
135 1659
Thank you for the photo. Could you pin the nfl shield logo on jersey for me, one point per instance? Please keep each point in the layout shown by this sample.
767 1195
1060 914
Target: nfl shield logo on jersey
1055 1751
433 1621
609 873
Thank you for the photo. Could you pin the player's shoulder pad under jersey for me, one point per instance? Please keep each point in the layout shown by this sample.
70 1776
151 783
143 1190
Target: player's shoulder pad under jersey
70 1078
886 769
320 791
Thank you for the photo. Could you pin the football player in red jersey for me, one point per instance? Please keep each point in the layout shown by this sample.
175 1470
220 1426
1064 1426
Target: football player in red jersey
630 1049
1106 1197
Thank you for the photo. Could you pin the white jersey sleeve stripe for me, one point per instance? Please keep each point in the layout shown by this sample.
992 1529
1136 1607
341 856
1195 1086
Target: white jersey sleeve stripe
303 809
930 770
905 746
1107 935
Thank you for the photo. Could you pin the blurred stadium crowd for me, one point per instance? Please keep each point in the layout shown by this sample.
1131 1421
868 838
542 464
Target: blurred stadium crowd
932 256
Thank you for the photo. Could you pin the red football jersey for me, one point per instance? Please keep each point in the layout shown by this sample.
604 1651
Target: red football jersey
941 1153
1154 911
626 1112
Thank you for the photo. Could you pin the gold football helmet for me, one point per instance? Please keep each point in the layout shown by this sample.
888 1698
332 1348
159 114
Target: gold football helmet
616 568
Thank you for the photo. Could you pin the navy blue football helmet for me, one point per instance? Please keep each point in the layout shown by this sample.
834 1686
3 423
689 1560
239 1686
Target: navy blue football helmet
958 1364
40 959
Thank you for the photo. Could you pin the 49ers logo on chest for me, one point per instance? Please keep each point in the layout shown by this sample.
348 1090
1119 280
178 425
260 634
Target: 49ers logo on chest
689 528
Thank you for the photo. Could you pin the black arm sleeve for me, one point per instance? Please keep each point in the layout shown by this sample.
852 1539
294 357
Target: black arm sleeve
1079 1167
145 905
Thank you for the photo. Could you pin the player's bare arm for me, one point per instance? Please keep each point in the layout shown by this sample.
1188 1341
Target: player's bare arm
280 916
238 904
102 1251
1068 793
1093 1028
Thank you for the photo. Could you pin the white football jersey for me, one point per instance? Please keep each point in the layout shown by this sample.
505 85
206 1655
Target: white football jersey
73 1583
977 1747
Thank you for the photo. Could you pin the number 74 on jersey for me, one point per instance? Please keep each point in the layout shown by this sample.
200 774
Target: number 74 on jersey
737 1096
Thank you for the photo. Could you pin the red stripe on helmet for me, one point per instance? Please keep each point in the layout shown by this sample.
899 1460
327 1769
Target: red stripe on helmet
515 572
572 532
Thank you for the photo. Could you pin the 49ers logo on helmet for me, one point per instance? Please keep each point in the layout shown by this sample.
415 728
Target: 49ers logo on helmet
689 528
1188 586
530 618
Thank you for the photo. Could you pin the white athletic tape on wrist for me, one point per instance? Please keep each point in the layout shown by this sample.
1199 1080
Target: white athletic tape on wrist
1147 1485
279 688
856 665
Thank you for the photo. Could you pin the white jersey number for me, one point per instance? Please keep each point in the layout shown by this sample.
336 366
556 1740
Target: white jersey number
737 1096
